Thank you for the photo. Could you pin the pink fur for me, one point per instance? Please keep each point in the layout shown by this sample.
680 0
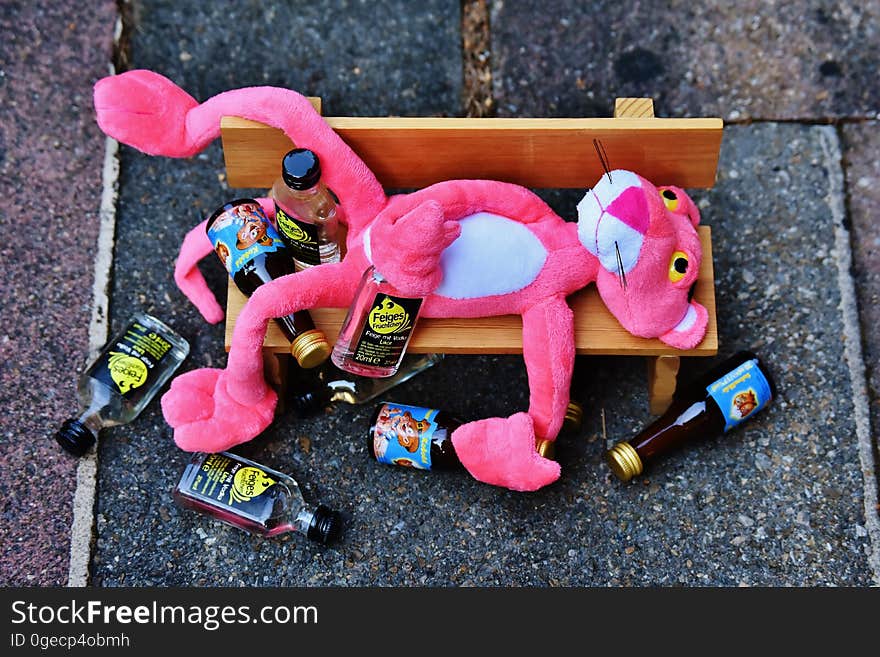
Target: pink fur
406 237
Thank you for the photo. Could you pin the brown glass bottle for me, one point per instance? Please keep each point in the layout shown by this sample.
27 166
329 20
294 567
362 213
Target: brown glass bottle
253 254
418 438
712 404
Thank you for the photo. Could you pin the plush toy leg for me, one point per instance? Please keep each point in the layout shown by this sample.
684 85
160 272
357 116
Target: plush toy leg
501 452
213 410
548 349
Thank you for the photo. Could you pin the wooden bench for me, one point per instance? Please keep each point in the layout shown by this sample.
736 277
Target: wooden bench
535 153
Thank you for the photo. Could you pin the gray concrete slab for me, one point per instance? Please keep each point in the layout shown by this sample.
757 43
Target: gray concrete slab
778 502
362 59
742 60
51 155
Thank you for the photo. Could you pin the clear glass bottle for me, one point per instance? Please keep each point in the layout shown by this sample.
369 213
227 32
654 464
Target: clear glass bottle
377 328
252 497
131 368
336 386
306 212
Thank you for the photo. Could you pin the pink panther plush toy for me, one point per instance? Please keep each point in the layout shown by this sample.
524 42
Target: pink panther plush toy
474 248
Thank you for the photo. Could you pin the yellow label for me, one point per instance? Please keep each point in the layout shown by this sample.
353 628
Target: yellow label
389 317
126 371
292 228
248 483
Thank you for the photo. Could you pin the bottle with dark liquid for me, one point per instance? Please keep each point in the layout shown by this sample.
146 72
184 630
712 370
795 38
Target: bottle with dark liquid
252 497
713 404
253 254
419 438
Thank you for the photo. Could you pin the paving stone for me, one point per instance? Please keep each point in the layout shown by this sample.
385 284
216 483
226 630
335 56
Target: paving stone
743 60
863 186
51 155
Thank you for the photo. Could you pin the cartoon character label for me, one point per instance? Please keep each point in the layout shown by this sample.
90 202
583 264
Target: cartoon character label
129 363
387 330
302 237
243 489
240 232
403 435
740 393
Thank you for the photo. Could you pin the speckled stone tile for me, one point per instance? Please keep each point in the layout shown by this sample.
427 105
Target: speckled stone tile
862 143
742 60
51 154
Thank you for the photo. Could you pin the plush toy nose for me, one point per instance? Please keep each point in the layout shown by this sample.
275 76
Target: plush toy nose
613 218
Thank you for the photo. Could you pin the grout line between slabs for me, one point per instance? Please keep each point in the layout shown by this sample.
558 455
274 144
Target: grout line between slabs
852 342
82 528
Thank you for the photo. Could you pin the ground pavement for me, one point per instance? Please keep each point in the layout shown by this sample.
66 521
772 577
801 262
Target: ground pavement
788 499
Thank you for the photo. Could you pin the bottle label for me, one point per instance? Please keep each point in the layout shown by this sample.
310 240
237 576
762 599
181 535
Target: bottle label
132 360
403 435
302 237
740 393
234 486
387 330
241 233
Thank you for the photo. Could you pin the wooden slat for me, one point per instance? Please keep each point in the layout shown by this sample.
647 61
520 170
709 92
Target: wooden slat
538 153
596 330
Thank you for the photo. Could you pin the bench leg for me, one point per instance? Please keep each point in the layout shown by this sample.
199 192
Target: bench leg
662 371
275 368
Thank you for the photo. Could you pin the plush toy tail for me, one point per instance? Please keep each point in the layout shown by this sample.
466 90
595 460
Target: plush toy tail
149 112
187 275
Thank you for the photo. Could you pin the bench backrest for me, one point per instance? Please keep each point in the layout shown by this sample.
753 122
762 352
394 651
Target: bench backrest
536 153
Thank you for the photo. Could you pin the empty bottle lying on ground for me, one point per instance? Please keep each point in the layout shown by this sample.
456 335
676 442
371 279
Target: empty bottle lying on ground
333 385
131 368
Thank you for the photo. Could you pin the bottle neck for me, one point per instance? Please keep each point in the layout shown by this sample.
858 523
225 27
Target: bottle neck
100 399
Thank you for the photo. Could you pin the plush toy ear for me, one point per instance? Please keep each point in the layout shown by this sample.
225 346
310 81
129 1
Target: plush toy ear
613 218
676 200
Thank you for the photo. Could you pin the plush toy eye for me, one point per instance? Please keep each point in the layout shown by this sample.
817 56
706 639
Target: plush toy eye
670 198
678 266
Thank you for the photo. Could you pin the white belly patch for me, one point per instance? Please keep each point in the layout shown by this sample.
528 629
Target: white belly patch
493 255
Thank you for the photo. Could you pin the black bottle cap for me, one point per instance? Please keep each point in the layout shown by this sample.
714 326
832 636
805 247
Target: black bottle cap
301 169
325 526
75 437
309 403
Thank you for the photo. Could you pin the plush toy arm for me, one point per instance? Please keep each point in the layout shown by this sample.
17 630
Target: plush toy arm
149 112
189 279
407 249
212 409
548 349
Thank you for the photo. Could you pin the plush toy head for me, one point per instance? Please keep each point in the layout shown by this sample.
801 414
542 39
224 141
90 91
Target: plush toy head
649 254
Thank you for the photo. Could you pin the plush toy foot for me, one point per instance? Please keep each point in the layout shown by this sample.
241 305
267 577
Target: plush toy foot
145 110
204 416
501 452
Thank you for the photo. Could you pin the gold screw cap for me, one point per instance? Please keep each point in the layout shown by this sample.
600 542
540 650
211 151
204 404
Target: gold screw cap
624 461
310 349
546 448
574 416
